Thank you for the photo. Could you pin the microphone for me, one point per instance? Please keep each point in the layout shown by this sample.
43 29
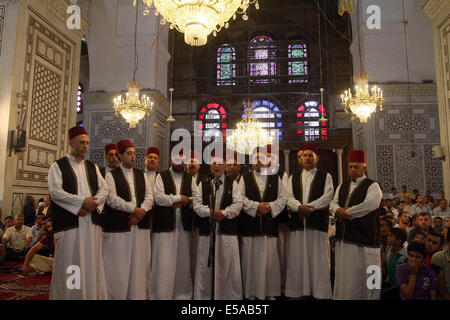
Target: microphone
217 183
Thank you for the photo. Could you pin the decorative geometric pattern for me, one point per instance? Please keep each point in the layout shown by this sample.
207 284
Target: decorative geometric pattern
49 53
97 156
2 20
140 158
40 157
409 166
433 171
226 68
117 129
402 123
385 167
261 48
299 66
45 106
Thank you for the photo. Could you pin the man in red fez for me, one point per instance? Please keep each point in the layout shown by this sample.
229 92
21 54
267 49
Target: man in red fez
355 206
226 203
170 276
112 160
151 164
127 228
78 193
309 193
263 202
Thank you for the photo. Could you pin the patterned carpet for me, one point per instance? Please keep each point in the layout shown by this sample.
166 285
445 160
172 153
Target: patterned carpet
15 286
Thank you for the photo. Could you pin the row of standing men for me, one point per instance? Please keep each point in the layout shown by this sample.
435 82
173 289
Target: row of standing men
102 225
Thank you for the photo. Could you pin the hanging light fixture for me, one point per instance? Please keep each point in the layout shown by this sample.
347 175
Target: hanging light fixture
133 108
248 133
170 118
345 6
322 119
362 103
198 18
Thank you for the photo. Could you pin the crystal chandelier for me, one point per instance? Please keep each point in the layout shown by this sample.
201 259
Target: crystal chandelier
248 134
362 103
132 108
198 18
345 5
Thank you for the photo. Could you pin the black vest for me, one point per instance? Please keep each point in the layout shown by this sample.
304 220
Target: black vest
63 219
263 224
283 217
103 172
319 219
164 217
227 226
364 231
116 220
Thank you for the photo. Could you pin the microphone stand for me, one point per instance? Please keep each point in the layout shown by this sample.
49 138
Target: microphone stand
212 241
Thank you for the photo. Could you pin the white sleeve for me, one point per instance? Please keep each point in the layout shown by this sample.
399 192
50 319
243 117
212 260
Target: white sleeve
29 233
102 192
68 201
233 210
334 204
250 207
292 203
370 203
278 205
161 198
200 209
324 201
148 199
114 201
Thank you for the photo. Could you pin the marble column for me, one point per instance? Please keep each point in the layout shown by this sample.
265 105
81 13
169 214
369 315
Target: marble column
286 160
438 11
339 153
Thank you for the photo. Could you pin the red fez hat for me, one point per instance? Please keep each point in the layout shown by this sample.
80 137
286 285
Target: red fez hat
152 150
76 131
124 145
309 146
111 146
357 156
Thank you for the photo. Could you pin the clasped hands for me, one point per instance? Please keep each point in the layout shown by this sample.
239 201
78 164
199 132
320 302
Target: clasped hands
185 201
89 205
342 214
137 215
304 211
263 208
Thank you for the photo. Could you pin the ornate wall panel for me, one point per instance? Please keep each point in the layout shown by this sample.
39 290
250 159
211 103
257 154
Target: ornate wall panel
385 168
409 166
47 95
433 171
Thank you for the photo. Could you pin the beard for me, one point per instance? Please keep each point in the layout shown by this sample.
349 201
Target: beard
178 168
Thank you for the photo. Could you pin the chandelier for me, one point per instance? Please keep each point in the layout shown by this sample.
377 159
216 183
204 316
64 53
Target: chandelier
248 134
198 18
345 5
132 108
362 103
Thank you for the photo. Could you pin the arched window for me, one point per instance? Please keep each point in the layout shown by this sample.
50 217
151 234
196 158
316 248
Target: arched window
269 116
298 63
213 118
262 48
226 68
308 116
79 99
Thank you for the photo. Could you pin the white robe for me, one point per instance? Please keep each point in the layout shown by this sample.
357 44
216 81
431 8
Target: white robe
261 271
82 246
352 261
170 276
283 234
227 272
127 254
194 243
308 257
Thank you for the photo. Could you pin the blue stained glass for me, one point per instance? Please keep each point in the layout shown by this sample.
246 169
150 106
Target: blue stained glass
299 66
226 69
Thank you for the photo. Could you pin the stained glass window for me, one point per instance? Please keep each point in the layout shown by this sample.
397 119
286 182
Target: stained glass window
79 99
226 68
262 48
298 63
308 123
213 124
269 116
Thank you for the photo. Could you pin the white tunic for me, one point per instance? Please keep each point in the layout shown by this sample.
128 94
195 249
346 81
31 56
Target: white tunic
127 254
194 242
261 271
82 246
308 257
283 234
227 273
170 276
352 260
